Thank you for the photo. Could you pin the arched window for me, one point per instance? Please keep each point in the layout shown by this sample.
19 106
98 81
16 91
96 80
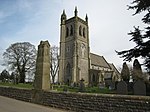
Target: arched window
80 31
83 32
94 78
67 32
68 73
71 30
68 70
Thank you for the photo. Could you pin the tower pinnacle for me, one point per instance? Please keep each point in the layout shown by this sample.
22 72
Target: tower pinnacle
86 18
76 11
63 17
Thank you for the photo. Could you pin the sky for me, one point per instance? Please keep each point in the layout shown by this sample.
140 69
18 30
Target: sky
36 20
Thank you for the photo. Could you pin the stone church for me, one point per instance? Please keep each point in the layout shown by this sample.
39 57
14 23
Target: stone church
76 62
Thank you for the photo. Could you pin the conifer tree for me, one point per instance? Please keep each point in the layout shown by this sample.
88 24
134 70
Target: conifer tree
125 73
137 71
140 36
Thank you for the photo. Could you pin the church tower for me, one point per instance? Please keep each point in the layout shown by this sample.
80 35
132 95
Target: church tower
74 49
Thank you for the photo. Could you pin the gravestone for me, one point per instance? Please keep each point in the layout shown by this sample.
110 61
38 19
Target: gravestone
81 86
112 85
42 75
122 88
101 85
139 88
130 86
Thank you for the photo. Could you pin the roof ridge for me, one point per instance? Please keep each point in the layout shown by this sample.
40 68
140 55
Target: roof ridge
96 54
106 62
114 67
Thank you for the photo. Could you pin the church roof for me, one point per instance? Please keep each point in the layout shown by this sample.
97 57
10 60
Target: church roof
114 68
99 61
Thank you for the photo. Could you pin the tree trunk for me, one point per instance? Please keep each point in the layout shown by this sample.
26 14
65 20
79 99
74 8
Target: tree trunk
22 77
53 79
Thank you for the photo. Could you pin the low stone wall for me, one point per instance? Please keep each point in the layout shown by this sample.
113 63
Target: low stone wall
81 101
96 103
19 94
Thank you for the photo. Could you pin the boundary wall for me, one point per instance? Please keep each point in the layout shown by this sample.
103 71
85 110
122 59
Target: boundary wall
80 102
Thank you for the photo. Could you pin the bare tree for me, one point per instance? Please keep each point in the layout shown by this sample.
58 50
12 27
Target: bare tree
20 57
54 62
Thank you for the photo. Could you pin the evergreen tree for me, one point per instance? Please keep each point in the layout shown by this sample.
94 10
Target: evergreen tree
140 37
125 73
5 75
137 71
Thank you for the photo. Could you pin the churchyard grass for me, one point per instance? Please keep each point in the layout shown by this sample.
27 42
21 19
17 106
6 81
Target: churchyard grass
87 89
20 85
98 90
61 88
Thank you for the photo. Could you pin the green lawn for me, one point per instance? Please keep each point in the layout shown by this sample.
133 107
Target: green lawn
20 85
62 88
87 89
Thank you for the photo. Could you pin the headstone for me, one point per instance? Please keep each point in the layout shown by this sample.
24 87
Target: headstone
65 89
81 86
139 88
112 85
42 75
74 84
122 88
101 85
116 83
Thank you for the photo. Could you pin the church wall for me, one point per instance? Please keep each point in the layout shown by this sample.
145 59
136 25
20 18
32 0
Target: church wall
62 49
83 51
76 45
75 34
94 77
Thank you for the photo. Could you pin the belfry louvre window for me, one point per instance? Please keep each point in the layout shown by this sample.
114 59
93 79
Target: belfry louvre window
80 31
67 32
71 30
84 32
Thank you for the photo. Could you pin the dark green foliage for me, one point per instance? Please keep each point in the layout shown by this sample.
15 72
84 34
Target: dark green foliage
140 37
125 73
137 71
4 76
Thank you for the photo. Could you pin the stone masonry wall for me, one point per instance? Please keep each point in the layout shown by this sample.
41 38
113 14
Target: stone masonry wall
83 102
19 94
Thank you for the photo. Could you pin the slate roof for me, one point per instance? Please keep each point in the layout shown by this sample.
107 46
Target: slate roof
114 68
99 61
